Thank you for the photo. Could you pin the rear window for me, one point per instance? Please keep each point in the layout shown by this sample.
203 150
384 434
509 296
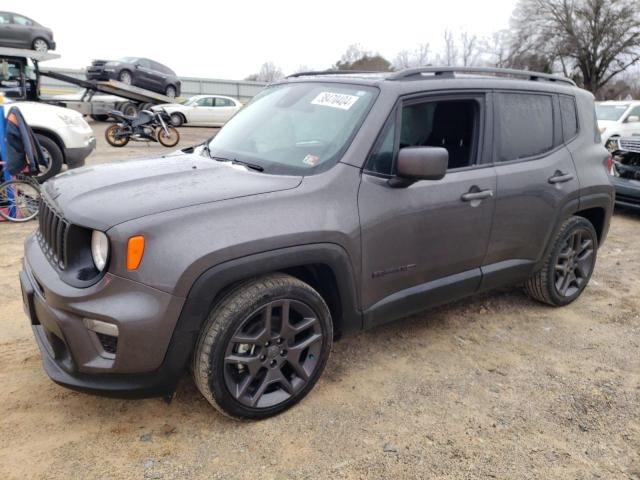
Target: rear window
569 117
525 125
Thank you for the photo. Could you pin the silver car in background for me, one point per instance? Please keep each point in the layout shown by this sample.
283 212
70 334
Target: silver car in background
203 110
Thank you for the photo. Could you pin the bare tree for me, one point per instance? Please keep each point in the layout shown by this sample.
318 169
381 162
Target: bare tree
590 40
496 49
416 58
470 51
450 49
403 60
268 73
357 58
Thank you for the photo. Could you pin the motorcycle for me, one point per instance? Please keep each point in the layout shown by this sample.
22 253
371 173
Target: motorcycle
147 126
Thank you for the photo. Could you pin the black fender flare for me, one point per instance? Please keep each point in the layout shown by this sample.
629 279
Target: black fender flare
207 287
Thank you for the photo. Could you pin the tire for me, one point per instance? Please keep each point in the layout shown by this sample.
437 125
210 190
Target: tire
111 138
40 45
572 254
168 141
170 91
262 370
177 119
130 109
125 77
19 200
53 154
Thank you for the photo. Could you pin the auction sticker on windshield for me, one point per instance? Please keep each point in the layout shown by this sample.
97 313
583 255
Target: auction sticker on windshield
335 100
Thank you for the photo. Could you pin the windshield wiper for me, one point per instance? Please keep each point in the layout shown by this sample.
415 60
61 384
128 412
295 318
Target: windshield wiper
234 161
252 166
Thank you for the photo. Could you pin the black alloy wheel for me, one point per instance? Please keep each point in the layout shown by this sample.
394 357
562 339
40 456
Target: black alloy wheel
273 353
575 263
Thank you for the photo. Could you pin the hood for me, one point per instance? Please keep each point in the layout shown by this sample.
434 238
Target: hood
607 123
34 108
168 106
102 196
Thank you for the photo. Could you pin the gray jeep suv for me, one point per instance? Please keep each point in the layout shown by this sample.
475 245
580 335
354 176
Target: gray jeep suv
330 203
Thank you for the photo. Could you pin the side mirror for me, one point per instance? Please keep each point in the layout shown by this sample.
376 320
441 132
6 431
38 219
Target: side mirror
633 119
419 163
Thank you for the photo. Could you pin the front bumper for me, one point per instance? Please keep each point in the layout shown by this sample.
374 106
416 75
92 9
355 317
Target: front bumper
73 356
627 192
75 157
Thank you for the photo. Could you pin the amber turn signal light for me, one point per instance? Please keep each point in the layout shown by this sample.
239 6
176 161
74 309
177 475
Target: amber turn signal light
135 250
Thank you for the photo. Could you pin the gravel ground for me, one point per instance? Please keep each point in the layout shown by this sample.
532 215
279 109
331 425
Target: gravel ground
496 386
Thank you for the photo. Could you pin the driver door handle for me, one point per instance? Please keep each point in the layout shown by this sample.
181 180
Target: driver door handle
481 195
560 177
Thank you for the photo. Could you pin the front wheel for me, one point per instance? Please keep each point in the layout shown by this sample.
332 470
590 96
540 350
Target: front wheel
263 347
40 45
568 265
115 136
53 158
169 139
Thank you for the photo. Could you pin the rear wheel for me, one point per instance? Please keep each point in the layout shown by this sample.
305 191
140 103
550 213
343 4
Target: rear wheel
263 347
40 45
169 139
125 77
53 158
115 136
568 266
19 200
130 109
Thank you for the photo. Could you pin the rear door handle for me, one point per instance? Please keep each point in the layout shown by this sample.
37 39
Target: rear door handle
481 195
560 177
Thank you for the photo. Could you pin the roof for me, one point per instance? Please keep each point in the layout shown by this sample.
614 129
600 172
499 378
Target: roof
494 77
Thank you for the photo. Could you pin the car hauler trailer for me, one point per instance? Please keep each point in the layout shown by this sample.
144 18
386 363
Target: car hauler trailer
22 82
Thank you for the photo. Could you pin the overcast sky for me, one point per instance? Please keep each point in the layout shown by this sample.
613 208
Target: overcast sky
231 39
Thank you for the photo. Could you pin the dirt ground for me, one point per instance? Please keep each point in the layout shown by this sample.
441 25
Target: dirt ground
496 386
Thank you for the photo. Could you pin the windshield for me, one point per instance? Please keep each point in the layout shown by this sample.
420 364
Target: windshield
190 101
610 112
128 59
295 129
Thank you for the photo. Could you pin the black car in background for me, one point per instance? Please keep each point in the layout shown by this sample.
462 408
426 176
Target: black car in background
18 31
137 71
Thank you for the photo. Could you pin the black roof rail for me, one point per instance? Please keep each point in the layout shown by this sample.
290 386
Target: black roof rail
333 72
450 71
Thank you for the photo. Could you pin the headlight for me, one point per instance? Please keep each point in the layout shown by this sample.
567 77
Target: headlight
99 249
72 120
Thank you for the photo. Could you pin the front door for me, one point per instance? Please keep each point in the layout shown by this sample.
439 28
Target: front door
426 243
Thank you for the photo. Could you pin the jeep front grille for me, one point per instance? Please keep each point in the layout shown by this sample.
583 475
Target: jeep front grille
52 234
629 144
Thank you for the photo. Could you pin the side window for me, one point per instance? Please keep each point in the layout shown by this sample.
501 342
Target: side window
635 112
25 22
381 161
5 18
144 63
524 126
451 124
224 102
206 102
569 117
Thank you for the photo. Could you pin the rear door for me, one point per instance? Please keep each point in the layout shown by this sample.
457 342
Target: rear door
536 180
145 77
9 32
224 110
426 242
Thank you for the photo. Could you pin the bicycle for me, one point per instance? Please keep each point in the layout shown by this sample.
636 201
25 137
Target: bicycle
19 198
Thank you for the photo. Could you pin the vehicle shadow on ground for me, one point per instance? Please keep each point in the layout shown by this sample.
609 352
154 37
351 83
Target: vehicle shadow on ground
390 339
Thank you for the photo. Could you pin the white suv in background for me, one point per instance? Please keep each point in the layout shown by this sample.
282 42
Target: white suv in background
618 119
63 134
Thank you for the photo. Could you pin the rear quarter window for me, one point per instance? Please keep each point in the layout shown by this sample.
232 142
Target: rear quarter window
569 117
524 124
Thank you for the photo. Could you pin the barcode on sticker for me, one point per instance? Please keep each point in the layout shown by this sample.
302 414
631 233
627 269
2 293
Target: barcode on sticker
335 100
